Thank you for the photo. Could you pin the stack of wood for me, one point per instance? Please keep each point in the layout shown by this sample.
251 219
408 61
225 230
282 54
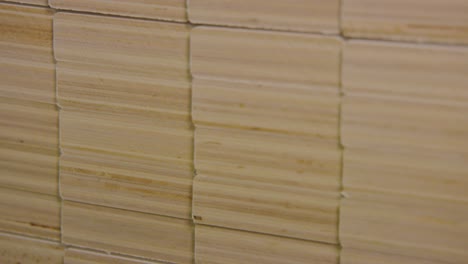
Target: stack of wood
219 131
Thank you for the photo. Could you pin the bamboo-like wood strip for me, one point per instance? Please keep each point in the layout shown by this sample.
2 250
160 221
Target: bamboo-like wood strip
270 107
31 2
126 132
29 145
268 183
30 214
173 10
362 256
79 256
269 57
403 225
437 74
126 232
429 174
297 15
16 249
225 246
443 21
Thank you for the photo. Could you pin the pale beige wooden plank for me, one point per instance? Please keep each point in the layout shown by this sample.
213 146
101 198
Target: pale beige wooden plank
260 56
225 246
267 183
151 47
22 250
410 171
296 15
378 122
425 72
443 21
31 214
126 232
136 183
270 107
29 145
113 86
173 10
26 62
363 256
31 2
79 256
411 226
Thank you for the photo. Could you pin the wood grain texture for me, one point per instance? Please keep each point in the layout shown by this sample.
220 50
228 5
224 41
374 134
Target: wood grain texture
411 226
226 246
269 107
30 214
405 96
412 171
267 183
29 145
126 133
15 249
78 256
29 119
429 73
126 232
443 21
297 15
26 60
31 2
173 10
362 256
269 57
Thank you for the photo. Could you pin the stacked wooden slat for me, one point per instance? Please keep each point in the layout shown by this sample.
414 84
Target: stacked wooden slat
126 135
29 203
265 107
218 131
405 129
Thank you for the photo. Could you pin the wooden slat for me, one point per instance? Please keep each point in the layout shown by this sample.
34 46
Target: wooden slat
269 107
31 2
29 145
260 56
26 61
362 256
411 171
224 246
432 73
297 15
31 214
16 249
268 183
126 232
126 133
443 21
155 9
410 226
150 47
78 256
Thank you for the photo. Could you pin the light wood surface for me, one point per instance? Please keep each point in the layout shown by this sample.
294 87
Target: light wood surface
280 108
260 56
296 15
268 183
126 232
421 227
126 132
31 2
443 21
79 256
219 245
173 10
16 249
30 214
